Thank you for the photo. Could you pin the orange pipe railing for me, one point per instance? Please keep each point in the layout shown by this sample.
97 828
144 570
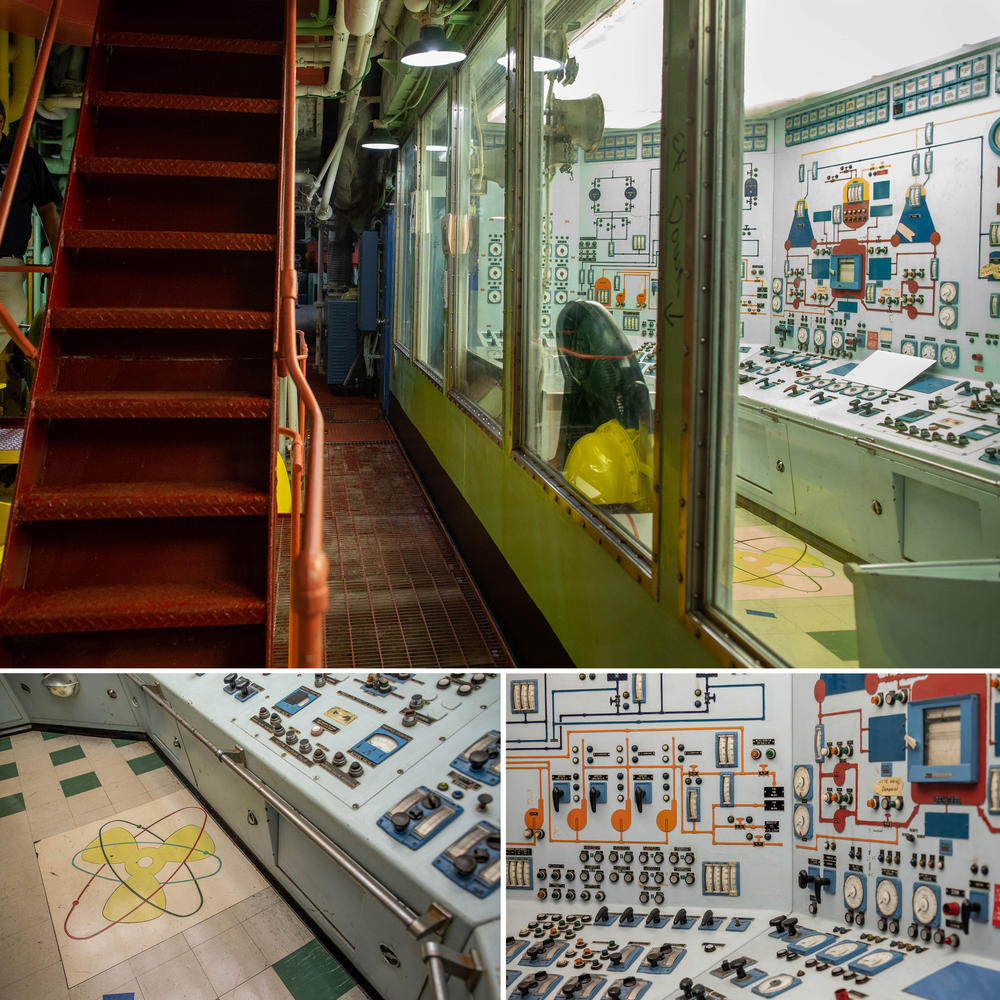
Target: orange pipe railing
310 566
14 168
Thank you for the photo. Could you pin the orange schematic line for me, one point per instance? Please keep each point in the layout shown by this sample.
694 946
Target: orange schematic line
534 819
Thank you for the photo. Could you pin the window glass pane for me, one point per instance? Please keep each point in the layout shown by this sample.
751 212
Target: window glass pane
406 240
591 298
433 209
864 427
482 114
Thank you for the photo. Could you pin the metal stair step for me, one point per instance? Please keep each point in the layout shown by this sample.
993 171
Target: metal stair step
88 501
130 606
154 166
182 102
151 404
157 318
156 239
191 43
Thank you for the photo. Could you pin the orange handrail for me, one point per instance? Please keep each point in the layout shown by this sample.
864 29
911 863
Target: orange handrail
310 566
14 168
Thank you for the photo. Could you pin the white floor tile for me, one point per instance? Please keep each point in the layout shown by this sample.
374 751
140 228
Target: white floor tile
277 932
211 928
27 952
229 959
158 955
266 986
48 983
181 978
120 979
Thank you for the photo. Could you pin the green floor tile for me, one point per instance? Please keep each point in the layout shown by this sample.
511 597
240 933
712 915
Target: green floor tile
81 783
51 736
10 804
312 973
4 743
843 643
65 756
8 771
123 743
148 762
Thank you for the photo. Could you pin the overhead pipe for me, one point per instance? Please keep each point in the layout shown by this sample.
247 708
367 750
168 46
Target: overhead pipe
23 61
338 53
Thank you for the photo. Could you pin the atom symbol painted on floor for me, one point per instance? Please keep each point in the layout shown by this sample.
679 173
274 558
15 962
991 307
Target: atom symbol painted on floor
139 867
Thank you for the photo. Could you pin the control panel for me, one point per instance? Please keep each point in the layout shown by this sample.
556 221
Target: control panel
718 836
395 774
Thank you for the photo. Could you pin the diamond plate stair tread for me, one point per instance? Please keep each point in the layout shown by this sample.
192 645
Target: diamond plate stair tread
124 165
161 318
191 43
130 606
155 403
183 102
88 501
162 239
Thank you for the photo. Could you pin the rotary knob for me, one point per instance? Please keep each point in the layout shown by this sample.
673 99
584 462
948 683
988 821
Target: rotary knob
465 864
400 821
478 759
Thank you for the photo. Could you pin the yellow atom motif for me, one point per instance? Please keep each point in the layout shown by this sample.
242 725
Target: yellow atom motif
777 566
117 846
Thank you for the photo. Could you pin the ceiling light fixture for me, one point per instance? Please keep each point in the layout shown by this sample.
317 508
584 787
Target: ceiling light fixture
379 138
432 48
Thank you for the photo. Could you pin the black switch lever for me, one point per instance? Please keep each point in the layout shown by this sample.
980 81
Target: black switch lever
640 797
654 917
791 924
627 915
685 984
968 908
593 795
680 917
737 965
557 797
776 922
602 914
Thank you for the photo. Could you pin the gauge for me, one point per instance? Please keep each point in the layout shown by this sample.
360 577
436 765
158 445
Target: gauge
802 336
928 352
776 304
841 949
908 347
925 904
854 891
776 285
836 340
562 250
562 273
631 193
561 296
948 291
947 316
546 297
819 339
495 248
802 781
495 272
994 137
493 296
802 821
887 897
949 356
545 320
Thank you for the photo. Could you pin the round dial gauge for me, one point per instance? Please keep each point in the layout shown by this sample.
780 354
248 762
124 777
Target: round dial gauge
801 781
776 285
947 316
908 347
495 248
886 897
854 891
802 336
948 291
949 356
819 338
929 352
801 821
495 272
837 339
925 904
562 250
776 303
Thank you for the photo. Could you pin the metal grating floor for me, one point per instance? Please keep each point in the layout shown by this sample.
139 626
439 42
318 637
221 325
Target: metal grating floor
399 596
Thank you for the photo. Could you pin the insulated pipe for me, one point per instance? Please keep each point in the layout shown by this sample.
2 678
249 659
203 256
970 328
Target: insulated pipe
416 6
23 61
360 15
338 52
320 19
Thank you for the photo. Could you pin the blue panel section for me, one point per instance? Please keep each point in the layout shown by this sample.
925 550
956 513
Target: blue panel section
342 339
931 383
953 825
880 190
880 269
118 996
826 216
920 717
482 847
847 307
296 701
874 962
876 211
367 280
821 268
842 370
955 980
379 745
843 683
411 836
885 737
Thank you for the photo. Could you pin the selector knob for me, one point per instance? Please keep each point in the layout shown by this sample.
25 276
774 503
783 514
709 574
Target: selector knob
478 759
602 914
627 915
243 686
465 864
431 801
304 745
230 680
400 821
484 801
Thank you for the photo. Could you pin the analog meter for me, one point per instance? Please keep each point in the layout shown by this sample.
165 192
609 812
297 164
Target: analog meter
802 822
854 891
925 904
802 781
887 897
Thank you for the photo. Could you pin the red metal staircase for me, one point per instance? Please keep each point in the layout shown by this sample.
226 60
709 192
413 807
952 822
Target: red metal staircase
143 514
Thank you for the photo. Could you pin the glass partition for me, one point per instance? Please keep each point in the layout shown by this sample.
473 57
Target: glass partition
592 261
406 242
864 427
436 226
481 116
